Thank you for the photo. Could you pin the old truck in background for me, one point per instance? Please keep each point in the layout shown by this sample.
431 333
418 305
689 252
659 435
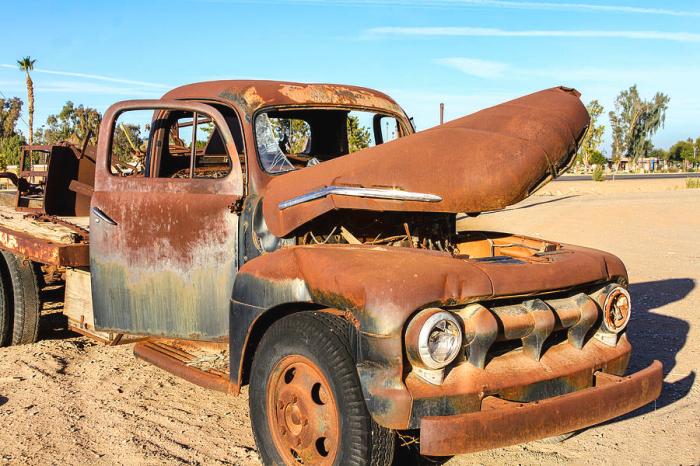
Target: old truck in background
304 236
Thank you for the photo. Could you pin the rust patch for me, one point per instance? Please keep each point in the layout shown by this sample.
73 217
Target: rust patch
248 100
336 95
350 317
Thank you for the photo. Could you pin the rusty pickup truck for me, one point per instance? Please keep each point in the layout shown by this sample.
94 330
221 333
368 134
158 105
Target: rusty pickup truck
302 239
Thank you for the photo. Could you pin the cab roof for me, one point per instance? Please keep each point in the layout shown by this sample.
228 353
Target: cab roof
250 95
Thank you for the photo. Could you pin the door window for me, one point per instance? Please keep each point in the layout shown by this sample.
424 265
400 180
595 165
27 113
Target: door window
168 144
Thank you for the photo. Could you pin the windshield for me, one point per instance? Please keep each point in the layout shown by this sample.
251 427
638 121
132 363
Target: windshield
289 140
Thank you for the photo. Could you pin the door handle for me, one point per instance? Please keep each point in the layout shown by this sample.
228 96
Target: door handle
102 216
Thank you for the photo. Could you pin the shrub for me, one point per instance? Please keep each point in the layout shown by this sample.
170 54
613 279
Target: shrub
692 183
598 174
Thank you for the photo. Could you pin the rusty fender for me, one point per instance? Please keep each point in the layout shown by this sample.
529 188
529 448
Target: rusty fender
380 288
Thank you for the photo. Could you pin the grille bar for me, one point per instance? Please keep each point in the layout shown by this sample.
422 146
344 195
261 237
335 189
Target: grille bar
531 321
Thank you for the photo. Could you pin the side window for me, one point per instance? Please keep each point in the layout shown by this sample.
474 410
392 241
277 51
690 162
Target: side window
367 129
175 144
130 143
389 128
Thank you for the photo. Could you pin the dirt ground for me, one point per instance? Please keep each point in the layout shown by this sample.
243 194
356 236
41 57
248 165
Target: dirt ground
562 188
66 400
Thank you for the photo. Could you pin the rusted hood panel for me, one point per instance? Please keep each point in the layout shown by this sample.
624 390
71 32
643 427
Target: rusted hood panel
484 161
384 285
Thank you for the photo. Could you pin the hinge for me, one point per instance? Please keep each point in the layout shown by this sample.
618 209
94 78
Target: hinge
237 206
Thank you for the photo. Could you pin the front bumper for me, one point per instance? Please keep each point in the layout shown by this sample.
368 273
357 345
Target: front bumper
500 423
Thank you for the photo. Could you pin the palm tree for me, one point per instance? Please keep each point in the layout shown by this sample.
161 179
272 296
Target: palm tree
26 64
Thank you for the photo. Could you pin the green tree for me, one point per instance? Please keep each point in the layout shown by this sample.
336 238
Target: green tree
358 136
594 134
683 151
659 153
293 133
10 110
9 150
634 121
26 64
598 159
10 139
128 145
71 124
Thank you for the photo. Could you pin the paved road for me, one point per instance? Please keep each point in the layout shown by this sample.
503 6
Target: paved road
653 176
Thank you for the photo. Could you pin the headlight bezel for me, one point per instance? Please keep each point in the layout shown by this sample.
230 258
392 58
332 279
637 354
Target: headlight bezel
418 334
612 322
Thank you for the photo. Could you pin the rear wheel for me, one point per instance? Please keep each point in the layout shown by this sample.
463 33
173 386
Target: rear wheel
5 306
23 299
306 403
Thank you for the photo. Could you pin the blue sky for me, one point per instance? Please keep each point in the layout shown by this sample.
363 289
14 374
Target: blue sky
467 53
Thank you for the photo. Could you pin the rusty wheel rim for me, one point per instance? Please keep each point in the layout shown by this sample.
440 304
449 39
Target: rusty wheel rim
302 413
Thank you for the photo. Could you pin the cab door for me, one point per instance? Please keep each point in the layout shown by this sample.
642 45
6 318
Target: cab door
163 235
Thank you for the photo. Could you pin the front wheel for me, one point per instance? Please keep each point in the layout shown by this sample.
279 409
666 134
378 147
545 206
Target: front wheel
306 404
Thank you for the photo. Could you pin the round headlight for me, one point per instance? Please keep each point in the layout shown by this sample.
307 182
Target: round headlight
434 338
616 310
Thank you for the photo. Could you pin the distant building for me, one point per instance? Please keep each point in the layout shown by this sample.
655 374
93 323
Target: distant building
644 164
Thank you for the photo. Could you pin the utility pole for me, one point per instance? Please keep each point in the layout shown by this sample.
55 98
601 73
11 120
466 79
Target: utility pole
442 113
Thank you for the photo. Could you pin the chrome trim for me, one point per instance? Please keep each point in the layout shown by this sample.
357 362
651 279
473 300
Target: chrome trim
102 216
374 193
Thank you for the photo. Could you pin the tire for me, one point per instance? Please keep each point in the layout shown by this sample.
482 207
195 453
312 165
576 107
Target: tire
306 403
5 306
24 300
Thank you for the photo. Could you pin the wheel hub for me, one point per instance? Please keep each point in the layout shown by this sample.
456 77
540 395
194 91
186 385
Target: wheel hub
302 413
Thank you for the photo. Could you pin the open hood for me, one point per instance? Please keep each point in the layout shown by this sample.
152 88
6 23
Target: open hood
484 161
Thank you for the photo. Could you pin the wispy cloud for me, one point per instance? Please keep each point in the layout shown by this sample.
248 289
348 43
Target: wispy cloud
499 4
589 75
474 66
96 77
81 87
450 31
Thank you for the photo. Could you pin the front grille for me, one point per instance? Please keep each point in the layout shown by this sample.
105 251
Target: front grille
530 325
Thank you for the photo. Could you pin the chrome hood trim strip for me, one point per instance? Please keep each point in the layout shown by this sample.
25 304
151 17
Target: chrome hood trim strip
373 193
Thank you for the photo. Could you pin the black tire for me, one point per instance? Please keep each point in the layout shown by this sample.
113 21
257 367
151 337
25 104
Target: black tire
24 300
324 340
5 306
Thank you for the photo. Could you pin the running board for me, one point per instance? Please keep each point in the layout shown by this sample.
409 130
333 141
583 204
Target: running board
175 361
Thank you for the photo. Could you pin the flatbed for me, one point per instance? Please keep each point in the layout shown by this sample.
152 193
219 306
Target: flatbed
57 241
